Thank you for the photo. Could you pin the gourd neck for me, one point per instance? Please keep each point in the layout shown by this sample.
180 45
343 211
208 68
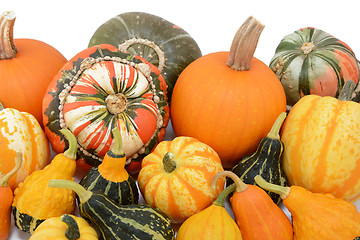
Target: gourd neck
220 201
72 149
168 162
244 44
4 181
7 46
347 90
112 167
240 185
83 194
72 232
282 191
274 132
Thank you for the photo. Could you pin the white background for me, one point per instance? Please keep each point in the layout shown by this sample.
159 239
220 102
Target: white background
69 25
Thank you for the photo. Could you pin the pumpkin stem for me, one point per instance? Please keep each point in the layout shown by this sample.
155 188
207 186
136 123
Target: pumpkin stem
282 191
1 106
117 148
347 90
4 181
169 164
220 201
244 44
72 232
240 185
274 132
84 195
71 151
7 46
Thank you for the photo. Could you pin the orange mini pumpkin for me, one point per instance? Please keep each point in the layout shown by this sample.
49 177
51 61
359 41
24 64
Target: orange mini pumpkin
176 177
228 100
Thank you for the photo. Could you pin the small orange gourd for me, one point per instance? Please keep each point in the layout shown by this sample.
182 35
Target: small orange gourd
34 201
317 215
176 177
228 100
27 66
6 196
212 223
256 214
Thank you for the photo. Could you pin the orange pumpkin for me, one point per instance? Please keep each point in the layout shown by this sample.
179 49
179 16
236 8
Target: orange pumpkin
20 132
176 177
228 100
26 68
321 137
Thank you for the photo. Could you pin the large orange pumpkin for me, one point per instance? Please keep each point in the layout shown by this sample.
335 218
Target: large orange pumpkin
176 177
228 100
21 132
26 68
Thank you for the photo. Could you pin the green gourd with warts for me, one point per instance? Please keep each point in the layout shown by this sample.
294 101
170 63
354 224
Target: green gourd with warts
34 201
111 177
266 161
113 221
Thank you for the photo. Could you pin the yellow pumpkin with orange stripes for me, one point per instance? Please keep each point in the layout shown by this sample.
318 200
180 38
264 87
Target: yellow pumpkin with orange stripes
176 177
321 136
21 132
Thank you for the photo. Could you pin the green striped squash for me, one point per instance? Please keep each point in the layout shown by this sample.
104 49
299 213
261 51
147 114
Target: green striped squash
311 61
119 222
162 43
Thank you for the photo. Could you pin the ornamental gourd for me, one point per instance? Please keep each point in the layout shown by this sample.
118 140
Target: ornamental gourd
311 61
176 177
160 42
66 227
21 132
34 201
317 215
119 222
228 100
27 66
321 137
102 88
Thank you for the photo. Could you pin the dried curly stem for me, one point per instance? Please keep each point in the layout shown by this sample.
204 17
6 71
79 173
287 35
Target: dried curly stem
7 46
244 44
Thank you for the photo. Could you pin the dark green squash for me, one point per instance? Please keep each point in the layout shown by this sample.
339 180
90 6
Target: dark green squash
113 221
265 161
165 45
111 177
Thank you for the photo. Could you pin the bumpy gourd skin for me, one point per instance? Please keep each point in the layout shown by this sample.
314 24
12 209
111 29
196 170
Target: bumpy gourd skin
321 216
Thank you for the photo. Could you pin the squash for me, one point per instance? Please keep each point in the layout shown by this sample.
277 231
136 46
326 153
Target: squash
21 132
176 177
212 223
26 68
266 161
6 196
65 227
34 201
321 137
257 216
112 221
228 100
311 61
111 177
101 88
160 42
317 215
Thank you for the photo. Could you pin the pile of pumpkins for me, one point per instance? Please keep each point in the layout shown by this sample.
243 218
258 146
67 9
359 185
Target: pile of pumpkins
288 132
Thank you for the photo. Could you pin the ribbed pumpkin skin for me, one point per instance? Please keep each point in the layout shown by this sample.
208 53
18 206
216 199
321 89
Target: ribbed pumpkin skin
21 132
186 190
229 110
144 34
54 228
25 78
81 90
323 71
321 136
